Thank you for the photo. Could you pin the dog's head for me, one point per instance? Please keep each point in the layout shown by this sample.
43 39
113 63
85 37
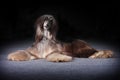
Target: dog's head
46 27
48 22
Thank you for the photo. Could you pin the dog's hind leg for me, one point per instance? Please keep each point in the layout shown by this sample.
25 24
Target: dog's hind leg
102 54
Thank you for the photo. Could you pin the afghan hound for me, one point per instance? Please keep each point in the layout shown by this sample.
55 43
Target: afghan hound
48 47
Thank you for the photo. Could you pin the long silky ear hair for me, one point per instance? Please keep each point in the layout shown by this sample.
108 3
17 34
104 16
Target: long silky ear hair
39 29
54 28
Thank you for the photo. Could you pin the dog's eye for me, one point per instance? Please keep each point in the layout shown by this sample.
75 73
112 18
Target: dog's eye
50 18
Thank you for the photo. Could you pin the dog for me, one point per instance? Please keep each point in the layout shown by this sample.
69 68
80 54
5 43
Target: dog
46 46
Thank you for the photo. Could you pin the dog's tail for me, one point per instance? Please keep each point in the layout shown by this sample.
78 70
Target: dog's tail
102 54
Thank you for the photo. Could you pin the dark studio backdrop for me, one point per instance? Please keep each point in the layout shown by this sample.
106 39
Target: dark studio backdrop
75 21
90 21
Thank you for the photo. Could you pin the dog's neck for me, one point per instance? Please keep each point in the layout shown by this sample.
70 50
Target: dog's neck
47 34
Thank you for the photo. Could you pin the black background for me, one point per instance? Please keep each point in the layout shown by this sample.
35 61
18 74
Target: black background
75 20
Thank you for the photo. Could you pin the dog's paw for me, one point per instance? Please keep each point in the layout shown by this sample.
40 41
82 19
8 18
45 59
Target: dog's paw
56 57
102 54
19 55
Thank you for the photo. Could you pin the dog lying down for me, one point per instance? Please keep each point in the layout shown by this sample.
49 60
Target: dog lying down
48 47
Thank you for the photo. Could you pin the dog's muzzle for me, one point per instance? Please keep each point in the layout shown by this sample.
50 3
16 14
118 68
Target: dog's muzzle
47 24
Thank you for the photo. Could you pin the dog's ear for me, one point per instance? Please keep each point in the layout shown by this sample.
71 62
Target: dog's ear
39 30
54 28
39 34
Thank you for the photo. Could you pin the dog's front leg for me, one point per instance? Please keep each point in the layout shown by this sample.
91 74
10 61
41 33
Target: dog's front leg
24 55
58 57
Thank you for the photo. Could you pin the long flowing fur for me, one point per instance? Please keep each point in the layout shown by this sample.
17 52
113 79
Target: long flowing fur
48 47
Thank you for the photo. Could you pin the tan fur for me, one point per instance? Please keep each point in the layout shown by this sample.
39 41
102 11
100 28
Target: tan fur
102 54
19 55
58 57
48 47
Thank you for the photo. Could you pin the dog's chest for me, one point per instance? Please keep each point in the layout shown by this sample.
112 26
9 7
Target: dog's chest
45 47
